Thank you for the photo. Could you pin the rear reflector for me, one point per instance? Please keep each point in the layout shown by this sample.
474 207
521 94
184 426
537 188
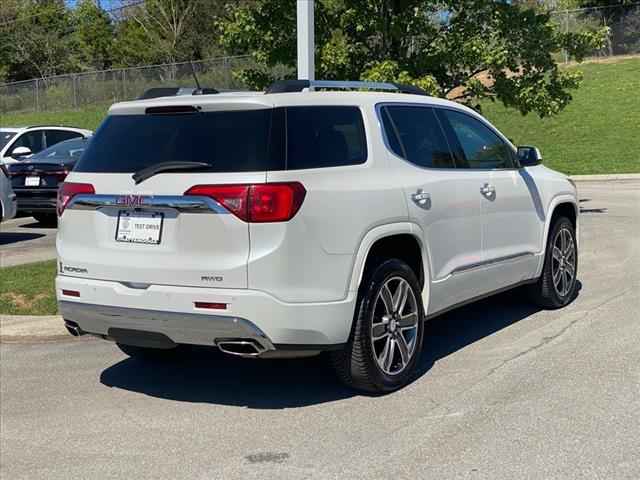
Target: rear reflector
211 306
256 203
70 293
68 190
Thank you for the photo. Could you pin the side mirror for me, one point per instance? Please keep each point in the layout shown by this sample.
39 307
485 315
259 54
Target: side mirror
20 152
529 156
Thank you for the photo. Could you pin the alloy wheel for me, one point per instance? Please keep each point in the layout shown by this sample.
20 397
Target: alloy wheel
563 262
394 329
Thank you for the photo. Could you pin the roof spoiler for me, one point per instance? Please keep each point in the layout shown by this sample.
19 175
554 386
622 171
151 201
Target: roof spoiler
287 86
175 91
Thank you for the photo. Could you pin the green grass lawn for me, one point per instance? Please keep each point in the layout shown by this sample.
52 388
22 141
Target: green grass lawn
599 132
28 289
88 117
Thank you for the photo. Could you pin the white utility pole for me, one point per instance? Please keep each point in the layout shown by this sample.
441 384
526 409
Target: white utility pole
306 42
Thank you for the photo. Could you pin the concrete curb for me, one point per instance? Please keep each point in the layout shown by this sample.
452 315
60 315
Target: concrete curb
617 177
32 329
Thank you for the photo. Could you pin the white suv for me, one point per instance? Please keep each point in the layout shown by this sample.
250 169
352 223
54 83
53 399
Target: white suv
294 222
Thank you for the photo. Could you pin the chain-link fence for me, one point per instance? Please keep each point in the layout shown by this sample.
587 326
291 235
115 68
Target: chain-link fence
623 23
108 86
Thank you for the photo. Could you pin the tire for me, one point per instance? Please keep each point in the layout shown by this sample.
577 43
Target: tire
557 284
148 354
46 219
361 364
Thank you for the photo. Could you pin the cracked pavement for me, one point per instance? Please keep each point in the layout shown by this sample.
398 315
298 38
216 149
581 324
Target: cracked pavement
504 391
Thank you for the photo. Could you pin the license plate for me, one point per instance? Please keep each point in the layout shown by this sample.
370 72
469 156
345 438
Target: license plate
139 227
31 181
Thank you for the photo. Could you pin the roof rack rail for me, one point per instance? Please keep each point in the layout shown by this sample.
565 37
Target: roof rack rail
286 86
175 91
46 125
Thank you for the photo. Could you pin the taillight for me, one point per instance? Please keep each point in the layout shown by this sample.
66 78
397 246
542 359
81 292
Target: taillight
257 203
233 197
60 174
275 202
68 190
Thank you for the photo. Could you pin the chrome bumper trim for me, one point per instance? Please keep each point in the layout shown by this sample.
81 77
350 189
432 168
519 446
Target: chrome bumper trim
219 327
191 204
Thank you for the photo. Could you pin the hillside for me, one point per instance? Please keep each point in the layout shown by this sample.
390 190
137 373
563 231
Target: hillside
599 132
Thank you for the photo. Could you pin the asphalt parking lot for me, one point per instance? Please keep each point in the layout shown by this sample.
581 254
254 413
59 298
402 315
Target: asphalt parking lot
504 391
24 240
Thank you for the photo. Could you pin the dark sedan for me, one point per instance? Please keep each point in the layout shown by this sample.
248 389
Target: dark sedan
35 180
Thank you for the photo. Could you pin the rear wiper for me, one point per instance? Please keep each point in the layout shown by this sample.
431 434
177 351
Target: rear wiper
150 171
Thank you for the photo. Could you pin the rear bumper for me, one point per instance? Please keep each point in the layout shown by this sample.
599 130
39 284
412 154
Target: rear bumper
171 311
183 327
36 201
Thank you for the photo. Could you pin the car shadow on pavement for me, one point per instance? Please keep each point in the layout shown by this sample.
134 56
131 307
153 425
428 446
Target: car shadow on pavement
38 225
205 375
7 238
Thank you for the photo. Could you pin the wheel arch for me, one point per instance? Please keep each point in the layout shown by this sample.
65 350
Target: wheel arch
382 240
566 205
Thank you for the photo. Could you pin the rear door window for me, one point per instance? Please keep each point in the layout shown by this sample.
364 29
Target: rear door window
414 133
324 136
57 136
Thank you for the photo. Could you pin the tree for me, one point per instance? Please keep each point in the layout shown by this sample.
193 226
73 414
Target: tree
39 39
92 36
167 31
8 15
467 50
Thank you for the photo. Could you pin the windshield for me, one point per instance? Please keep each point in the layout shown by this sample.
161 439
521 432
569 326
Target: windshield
229 141
68 150
5 137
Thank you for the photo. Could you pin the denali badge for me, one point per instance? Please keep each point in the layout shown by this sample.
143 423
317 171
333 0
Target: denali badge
131 201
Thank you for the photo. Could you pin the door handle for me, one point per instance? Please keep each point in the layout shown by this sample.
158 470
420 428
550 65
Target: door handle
422 199
487 190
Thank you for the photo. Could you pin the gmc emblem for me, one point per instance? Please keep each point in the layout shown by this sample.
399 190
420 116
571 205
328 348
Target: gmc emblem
131 201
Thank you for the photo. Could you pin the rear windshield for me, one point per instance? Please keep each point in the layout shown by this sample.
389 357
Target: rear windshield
230 141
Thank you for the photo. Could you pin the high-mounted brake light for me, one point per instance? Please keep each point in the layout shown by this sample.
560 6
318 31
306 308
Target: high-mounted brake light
256 203
68 190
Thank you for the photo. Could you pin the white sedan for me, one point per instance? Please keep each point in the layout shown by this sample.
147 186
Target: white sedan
18 143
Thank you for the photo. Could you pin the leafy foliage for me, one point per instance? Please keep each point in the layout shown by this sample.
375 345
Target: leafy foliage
92 36
37 39
467 50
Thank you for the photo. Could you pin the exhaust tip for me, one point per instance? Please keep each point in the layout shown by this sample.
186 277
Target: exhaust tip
73 328
241 347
